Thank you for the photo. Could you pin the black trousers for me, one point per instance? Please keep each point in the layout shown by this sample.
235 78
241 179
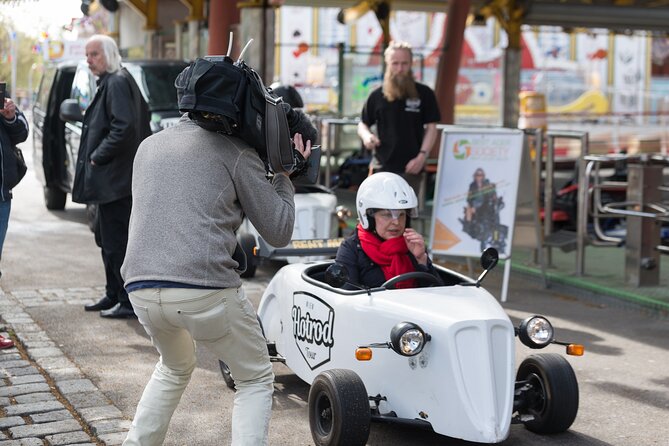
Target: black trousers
112 237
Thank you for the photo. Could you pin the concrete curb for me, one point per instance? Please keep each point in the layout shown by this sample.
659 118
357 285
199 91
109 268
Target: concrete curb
43 394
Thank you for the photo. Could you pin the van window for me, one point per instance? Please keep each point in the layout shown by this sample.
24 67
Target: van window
42 98
82 89
157 84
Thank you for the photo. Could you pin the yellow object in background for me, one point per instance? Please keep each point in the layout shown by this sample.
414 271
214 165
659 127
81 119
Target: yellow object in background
532 110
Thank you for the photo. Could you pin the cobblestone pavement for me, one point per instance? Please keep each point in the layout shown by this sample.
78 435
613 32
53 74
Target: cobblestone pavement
44 398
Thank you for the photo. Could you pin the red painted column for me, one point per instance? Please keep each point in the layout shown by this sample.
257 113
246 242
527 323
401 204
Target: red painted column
449 62
223 16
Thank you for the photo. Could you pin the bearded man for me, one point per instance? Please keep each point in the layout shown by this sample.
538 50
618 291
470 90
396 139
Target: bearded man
405 113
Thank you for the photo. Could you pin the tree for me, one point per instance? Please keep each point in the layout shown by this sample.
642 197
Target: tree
25 57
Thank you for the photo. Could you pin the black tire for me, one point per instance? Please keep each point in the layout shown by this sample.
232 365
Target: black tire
54 199
225 370
227 376
339 413
248 242
553 395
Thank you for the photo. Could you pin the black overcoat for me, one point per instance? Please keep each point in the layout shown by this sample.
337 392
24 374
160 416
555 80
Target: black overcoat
114 125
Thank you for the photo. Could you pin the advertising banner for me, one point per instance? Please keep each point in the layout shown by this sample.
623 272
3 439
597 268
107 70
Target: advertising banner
476 191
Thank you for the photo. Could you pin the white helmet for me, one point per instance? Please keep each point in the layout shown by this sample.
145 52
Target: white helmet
384 190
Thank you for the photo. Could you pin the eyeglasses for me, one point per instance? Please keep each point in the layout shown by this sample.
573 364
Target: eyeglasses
390 214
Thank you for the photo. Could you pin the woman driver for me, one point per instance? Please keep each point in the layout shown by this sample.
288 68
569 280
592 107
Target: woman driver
384 245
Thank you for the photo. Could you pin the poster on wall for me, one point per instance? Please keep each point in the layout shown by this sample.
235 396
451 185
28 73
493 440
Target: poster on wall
476 191
295 38
629 75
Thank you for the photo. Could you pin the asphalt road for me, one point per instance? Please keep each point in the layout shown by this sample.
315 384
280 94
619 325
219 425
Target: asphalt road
623 378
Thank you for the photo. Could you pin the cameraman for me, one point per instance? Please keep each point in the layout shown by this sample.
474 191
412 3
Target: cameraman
192 185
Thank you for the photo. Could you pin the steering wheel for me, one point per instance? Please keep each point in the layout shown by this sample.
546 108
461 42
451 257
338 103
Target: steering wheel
420 275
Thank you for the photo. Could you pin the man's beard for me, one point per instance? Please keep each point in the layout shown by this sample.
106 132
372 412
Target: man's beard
399 86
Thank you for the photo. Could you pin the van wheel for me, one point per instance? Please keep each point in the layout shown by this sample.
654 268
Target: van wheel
54 199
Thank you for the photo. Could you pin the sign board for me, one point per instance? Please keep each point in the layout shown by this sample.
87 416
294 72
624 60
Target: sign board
59 50
476 190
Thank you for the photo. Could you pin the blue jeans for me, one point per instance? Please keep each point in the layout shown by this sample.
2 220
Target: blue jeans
5 209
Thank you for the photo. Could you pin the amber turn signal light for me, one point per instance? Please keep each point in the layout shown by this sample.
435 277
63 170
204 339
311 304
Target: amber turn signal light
363 354
575 349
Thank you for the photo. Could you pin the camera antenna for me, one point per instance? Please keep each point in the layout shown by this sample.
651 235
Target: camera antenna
229 44
241 55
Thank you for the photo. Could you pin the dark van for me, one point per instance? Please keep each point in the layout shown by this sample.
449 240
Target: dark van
56 143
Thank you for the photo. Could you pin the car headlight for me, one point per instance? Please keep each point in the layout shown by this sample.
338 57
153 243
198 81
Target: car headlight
536 332
408 339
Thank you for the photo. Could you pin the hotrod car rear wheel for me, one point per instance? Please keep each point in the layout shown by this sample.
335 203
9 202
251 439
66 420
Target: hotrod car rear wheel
227 376
552 396
339 412
225 369
248 242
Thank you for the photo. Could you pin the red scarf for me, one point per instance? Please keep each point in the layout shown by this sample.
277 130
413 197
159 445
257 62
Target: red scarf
391 255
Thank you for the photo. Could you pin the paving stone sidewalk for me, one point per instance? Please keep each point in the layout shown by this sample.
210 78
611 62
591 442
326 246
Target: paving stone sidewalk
45 400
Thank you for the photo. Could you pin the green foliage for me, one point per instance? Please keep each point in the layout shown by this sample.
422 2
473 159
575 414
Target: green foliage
25 58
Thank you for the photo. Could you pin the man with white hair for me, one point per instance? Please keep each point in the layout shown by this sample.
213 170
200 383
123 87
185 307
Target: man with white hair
116 121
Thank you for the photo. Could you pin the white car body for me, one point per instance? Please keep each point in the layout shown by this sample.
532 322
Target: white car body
314 214
462 383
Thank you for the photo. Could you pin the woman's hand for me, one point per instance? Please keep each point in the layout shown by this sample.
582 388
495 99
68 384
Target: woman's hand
416 245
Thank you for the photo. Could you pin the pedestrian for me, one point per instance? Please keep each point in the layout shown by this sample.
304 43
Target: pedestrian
192 185
13 130
116 121
405 113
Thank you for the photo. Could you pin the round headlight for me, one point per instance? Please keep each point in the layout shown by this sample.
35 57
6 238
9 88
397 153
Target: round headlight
536 332
408 339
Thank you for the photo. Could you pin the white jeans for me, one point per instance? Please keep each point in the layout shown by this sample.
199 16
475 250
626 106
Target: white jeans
225 322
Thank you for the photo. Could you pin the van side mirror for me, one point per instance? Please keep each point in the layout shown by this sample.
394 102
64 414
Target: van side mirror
70 111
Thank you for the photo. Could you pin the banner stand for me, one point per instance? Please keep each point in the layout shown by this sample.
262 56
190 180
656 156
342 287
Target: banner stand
476 193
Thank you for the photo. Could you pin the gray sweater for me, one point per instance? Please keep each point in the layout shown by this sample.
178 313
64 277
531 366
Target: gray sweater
191 188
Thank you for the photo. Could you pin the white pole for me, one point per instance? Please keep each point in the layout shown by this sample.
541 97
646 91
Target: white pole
505 280
12 38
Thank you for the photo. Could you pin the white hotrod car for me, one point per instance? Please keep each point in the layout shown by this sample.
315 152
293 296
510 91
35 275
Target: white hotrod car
317 216
441 357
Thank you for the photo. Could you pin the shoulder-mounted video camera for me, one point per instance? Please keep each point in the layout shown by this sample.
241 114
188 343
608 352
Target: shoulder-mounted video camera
229 97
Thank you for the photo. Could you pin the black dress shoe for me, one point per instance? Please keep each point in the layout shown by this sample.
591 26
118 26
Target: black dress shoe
103 304
119 312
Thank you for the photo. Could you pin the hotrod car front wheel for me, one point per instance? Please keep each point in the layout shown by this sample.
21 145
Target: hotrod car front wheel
339 412
549 394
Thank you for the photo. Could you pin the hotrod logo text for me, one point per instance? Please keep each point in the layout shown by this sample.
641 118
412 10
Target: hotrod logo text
313 328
